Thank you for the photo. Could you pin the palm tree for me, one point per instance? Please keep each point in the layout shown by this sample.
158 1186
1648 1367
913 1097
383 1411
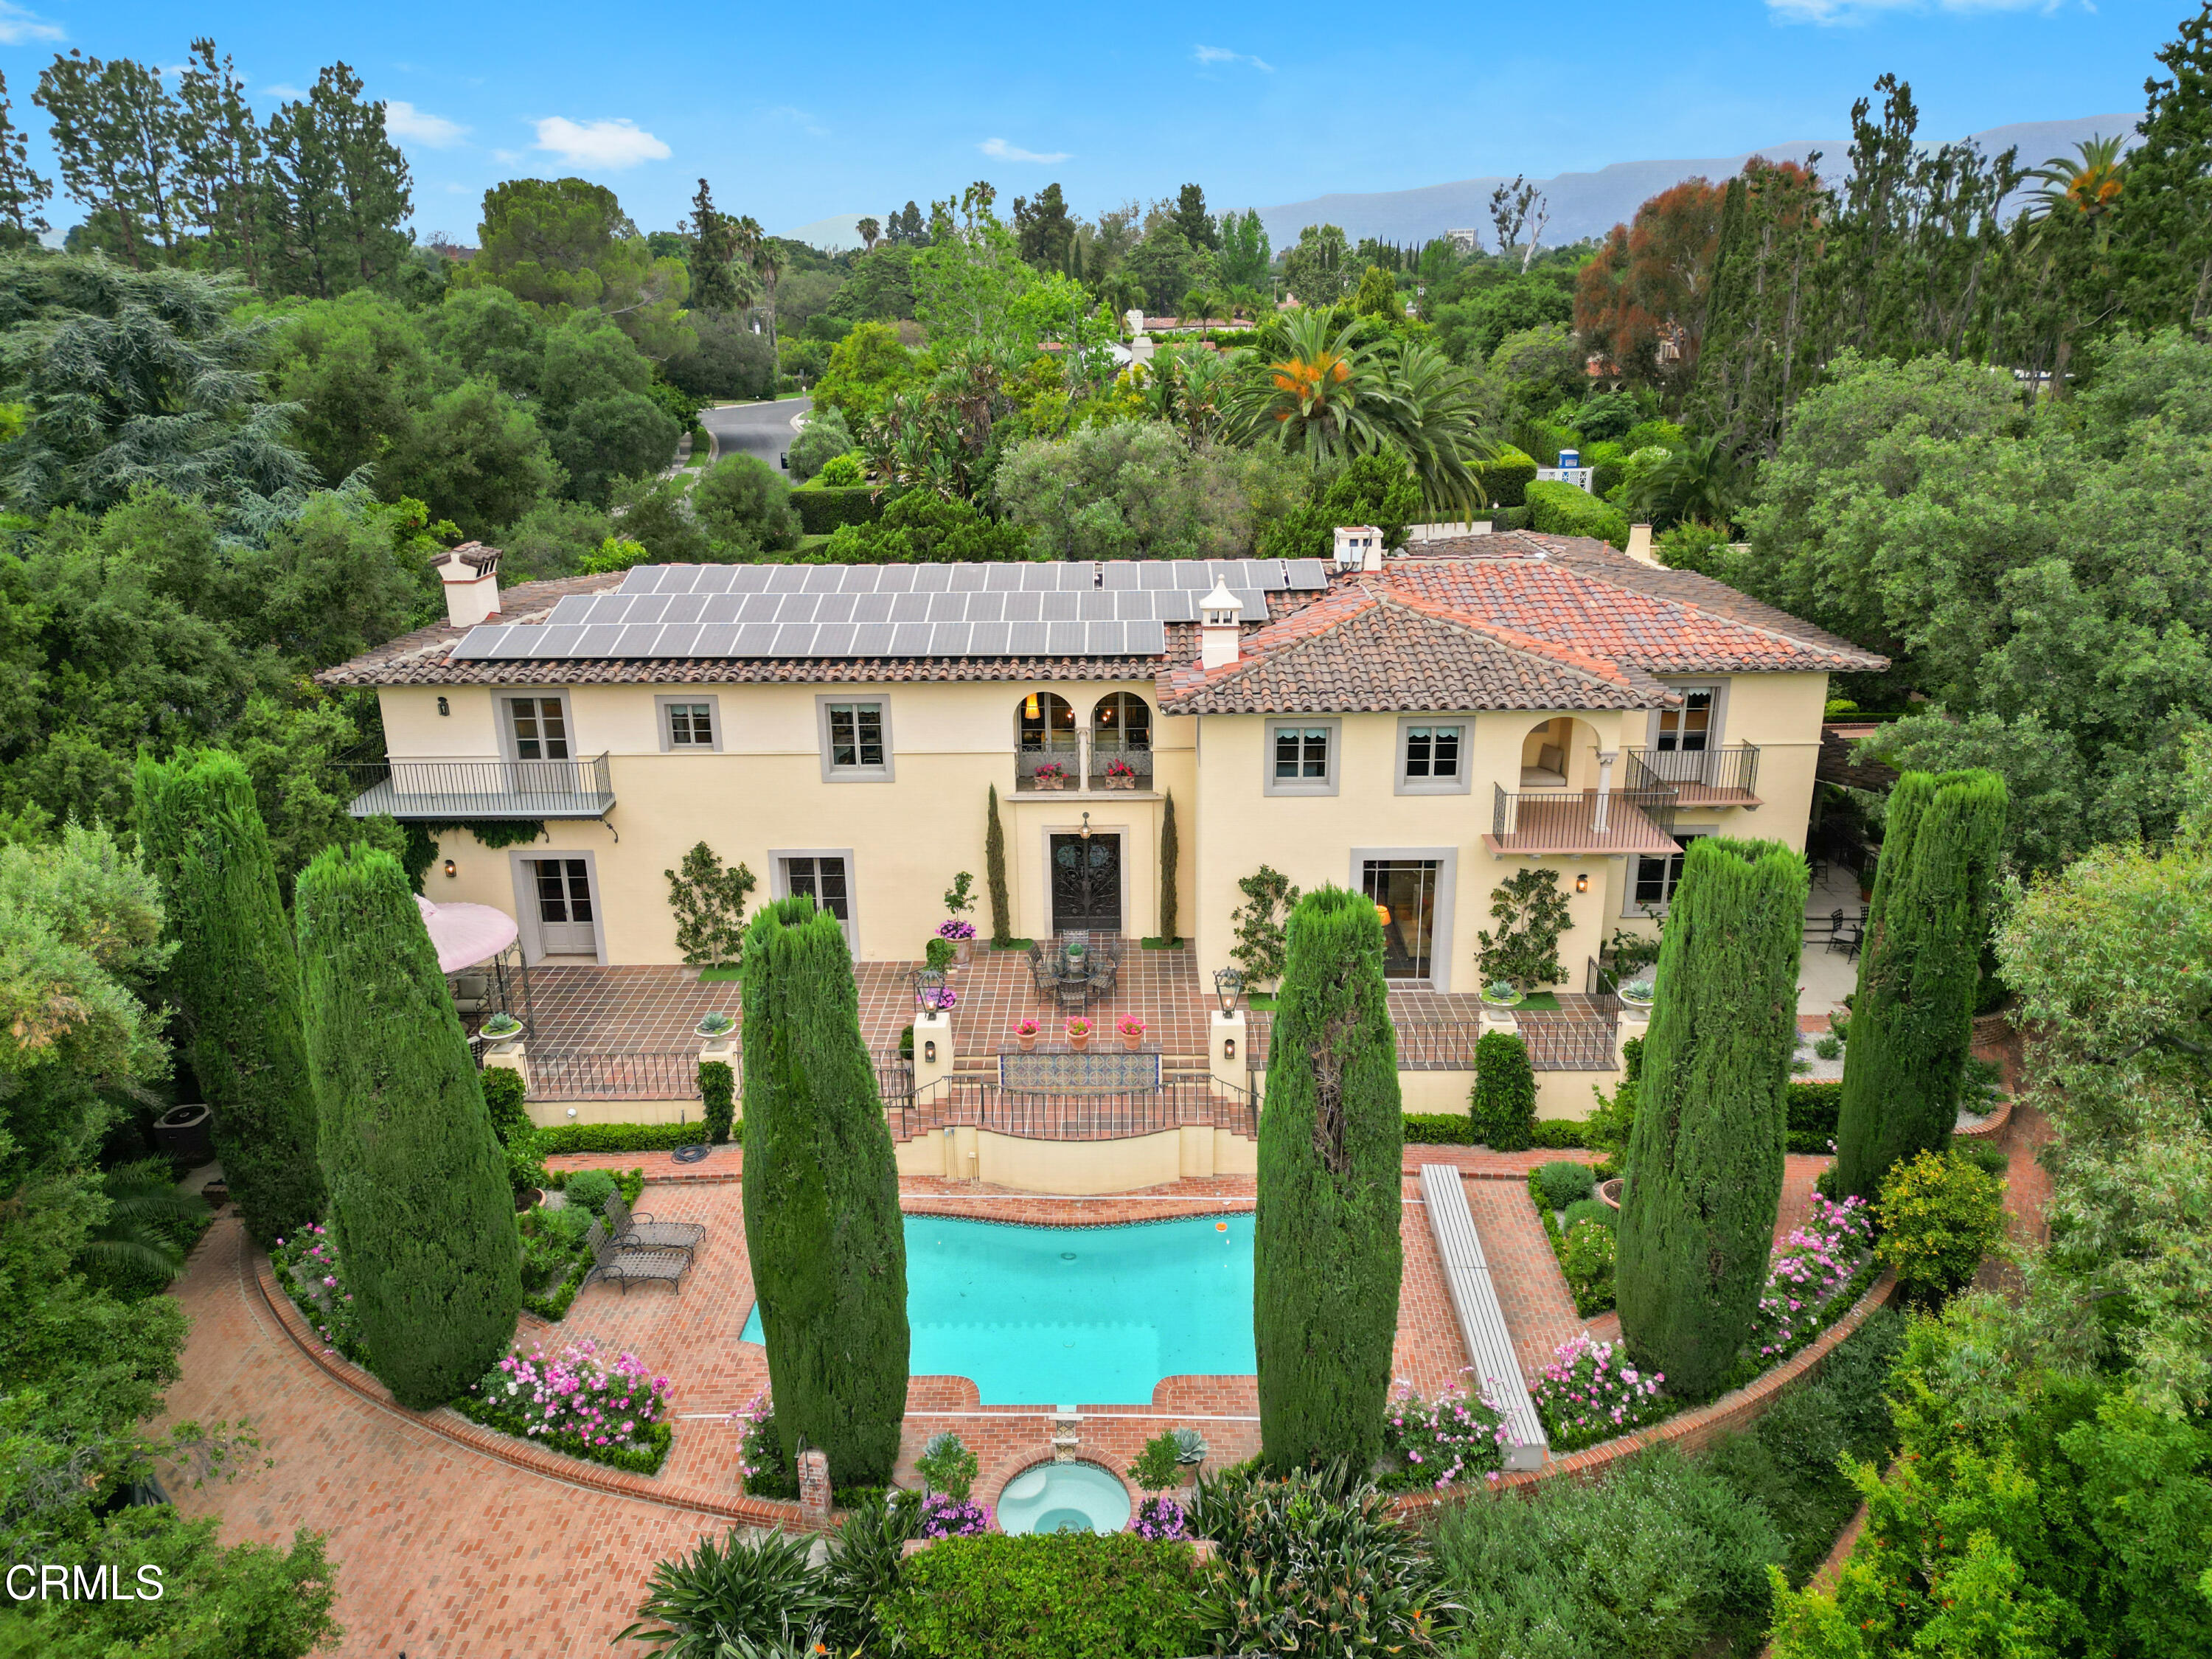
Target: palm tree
130 1242
2087 184
1699 480
768 261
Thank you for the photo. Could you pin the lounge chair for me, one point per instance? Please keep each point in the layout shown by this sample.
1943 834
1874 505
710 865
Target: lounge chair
642 1232
624 1267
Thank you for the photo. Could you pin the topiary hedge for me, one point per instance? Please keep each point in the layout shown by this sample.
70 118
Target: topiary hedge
1505 480
1561 509
1060 1595
822 510
619 1137
1457 1129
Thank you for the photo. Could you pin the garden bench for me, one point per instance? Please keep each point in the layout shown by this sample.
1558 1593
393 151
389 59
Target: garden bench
642 1232
1481 1320
623 1266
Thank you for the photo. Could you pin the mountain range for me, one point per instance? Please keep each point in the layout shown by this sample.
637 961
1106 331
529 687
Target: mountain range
1582 204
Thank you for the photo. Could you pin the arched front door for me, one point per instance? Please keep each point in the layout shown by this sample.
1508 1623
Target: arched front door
1086 883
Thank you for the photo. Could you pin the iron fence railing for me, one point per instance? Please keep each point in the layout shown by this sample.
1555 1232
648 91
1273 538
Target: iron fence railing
1630 820
1117 765
1697 775
482 788
613 1074
978 1102
1569 1042
1598 986
1058 755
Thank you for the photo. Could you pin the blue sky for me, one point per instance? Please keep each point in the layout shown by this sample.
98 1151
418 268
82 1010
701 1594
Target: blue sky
797 112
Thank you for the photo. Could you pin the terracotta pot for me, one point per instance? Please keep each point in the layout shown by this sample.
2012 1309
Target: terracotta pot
1608 1191
1078 1040
1131 1043
1027 1043
966 949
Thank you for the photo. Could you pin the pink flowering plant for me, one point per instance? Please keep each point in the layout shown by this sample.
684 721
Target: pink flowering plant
956 929
1814 1275
308 1268
1589 1393
1160 1518
762 1464
944 1516
583 1400
1454 1436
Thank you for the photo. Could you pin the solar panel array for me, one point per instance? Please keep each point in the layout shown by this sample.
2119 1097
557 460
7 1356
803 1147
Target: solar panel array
1114 608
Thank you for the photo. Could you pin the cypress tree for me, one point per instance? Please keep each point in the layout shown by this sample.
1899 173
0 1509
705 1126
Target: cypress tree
1913 1020
1704 1159
1326 1256
236 977
1171 856
995 872
420 1203
821 1195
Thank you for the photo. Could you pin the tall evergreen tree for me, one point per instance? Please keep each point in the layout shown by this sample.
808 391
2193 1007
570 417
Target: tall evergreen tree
116 129
821 1197
23 193
1913 1020
1326 1252
236 977
222 161
420 1203
374 189
2163 237
1704 1159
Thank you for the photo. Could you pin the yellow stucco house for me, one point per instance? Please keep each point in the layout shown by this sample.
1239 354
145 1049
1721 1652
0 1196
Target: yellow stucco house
1417 725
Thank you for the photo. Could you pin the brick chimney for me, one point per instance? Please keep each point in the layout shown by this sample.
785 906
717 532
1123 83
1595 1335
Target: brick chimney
471 575
1219 626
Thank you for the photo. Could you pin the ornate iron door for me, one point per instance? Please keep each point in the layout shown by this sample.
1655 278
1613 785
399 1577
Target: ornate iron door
1086 883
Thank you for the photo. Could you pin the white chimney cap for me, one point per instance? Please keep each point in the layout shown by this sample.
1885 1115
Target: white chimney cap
1221 599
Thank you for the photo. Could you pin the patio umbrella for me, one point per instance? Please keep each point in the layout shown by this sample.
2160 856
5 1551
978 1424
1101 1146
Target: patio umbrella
466 934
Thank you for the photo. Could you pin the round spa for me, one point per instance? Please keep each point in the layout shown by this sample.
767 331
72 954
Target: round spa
1064 1498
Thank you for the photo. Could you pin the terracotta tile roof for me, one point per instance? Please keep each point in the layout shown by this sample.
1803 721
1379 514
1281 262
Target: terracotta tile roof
1574 590
1371 647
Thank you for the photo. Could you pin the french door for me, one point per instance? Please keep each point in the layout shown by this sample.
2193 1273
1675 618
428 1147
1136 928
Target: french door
828 880
567 921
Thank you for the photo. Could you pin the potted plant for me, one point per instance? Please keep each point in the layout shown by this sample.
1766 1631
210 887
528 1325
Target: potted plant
1132 1029
960 935
1025 1033
1120 775
502 1027
1078 1033
1051 775
1638 992
716 1025
1503 993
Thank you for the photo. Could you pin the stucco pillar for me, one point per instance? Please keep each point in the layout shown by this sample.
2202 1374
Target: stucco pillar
1634 1023
1605 760
1499 1019
1228 1057
933 1053
509 1056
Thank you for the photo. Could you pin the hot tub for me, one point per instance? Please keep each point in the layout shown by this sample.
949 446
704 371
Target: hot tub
1064 1498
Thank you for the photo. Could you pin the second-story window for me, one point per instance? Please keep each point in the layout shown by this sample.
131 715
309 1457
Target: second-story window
1687 729
690 725
1431 753
1301 754
856 737
540 728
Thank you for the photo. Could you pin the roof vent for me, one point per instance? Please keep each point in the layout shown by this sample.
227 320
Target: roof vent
470 574
1358 547
1219 625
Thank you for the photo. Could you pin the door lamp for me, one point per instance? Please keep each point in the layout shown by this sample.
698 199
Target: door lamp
1228 986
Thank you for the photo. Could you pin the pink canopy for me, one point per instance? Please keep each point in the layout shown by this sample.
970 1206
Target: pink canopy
466 934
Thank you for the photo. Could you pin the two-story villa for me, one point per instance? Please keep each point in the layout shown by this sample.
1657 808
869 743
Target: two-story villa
1417 726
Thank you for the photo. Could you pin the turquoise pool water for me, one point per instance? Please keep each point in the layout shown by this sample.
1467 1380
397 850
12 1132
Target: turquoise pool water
1076 1316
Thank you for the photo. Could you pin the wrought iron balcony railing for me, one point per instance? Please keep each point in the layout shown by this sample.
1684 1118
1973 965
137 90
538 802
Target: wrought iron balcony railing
1529 821
440 789
1700 777
1076 760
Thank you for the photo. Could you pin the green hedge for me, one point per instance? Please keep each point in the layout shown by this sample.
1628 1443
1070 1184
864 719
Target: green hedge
621 1137
1457 1129
1505 481
1561 509
1060 1595
821 510
1813 1107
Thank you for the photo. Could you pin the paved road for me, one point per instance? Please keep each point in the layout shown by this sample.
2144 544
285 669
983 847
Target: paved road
761 429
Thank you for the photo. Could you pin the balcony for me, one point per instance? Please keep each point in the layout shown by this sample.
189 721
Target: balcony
1077 761
1701 777
449 789
1530 821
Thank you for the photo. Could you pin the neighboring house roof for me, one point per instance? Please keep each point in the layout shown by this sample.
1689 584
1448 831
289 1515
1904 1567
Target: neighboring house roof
1370 647
1516 619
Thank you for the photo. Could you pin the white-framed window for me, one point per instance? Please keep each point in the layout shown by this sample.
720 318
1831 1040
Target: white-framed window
535 727
1693 728
690 724
1302 756
1433 757
1651 883
856 739
823 874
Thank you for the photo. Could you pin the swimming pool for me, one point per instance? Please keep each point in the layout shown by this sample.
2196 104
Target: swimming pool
1076 1316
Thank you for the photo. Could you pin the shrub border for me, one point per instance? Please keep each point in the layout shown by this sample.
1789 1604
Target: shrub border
1558 1248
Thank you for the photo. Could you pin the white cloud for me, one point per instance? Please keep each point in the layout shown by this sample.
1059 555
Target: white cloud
282 89
507 156
1213 55
403 121
1858 11
612 144
1006 152
17 26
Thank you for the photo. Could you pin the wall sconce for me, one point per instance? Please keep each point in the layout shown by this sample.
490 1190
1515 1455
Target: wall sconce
929 1052
1582 881
1084 832
1228 1047
445 708
451 869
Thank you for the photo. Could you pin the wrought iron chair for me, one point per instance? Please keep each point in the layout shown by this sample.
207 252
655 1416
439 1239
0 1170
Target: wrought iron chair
1043 975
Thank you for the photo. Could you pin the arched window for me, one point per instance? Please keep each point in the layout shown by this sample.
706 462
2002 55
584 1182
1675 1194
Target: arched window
1122 720
1046 722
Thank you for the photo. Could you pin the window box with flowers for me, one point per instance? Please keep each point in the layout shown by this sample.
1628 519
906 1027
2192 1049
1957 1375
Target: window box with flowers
1051 775
1132 1029
1120 775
